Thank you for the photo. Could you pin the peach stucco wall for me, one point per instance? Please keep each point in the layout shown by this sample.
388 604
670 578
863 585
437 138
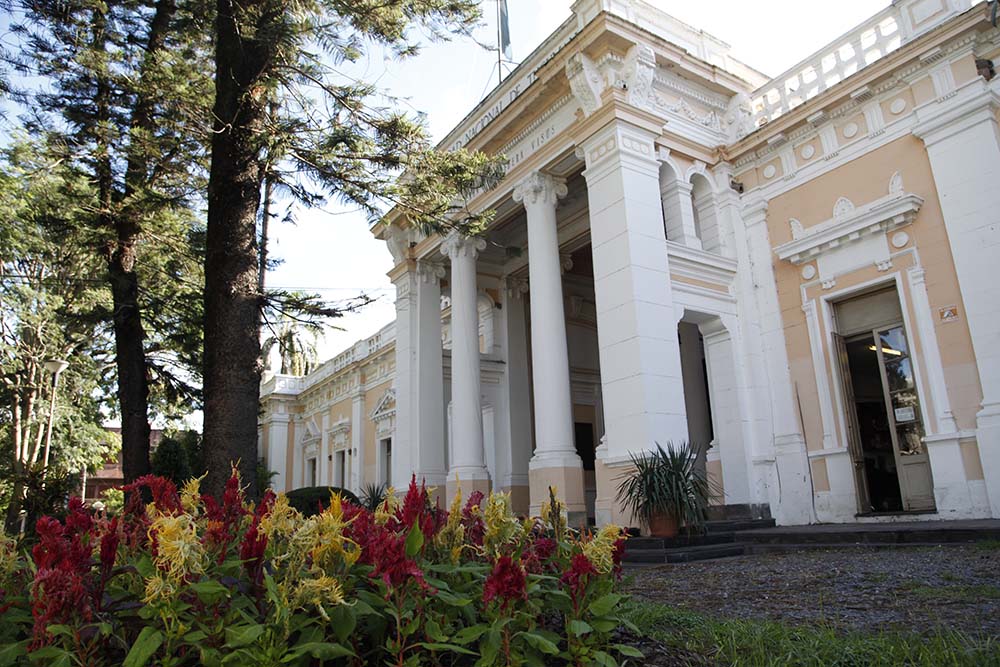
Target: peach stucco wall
863 180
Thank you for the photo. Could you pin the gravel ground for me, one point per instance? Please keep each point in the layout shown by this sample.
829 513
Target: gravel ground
918 589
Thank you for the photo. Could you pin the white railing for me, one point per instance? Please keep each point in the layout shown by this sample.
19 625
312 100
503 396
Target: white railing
873 39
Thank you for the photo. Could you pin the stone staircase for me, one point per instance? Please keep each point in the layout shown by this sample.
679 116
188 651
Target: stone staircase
728 537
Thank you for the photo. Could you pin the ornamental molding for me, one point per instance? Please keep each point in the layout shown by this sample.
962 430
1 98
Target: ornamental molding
701 265
539 188
457 244
384 414
586 82
850 224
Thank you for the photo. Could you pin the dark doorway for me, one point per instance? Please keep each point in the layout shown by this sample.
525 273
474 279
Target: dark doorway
874 429
584 436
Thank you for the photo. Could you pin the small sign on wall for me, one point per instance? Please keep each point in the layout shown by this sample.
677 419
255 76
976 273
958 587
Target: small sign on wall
906 414
948 314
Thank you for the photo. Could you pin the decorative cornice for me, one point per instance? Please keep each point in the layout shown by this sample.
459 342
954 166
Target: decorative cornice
849 225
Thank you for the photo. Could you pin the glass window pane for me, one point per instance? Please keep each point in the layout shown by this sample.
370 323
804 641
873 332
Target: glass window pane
910 436
900 374
893 343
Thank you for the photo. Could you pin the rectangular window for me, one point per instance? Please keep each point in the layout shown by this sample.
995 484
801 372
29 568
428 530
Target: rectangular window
311 470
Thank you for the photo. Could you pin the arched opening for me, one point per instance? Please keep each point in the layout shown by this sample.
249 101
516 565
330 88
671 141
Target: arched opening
706 220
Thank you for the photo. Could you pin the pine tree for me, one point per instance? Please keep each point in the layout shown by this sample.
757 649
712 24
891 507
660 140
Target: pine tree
282 110
126 107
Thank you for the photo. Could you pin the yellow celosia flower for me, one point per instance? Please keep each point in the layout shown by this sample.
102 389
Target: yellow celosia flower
388 508
318 592
158 588
281 521
501 525
600 548
191 495
451 537
179 552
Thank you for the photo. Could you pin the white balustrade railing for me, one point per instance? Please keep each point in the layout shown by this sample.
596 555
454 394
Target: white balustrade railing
873 39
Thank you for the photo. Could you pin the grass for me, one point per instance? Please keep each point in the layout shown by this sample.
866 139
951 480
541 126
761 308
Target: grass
953 593
766 643
988 545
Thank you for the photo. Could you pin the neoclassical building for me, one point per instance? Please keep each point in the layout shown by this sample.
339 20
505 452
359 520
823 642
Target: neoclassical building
798 275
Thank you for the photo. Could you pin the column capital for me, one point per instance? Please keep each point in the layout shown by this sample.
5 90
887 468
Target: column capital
539 188
755 210
457 244
428 271
514 287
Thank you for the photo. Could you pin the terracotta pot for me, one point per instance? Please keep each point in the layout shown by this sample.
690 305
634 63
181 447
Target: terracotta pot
663 525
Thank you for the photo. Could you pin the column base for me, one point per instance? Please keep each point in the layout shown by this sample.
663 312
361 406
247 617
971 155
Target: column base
607 509
988 439
469 480
568 483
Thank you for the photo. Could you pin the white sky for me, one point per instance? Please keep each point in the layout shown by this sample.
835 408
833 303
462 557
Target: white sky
332 252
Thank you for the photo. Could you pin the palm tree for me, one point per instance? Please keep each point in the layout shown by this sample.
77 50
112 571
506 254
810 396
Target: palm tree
295 341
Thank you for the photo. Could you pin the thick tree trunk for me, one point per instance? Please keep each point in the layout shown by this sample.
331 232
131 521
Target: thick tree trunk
232 300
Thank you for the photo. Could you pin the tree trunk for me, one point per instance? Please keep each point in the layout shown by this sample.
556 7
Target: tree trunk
232 300
133 381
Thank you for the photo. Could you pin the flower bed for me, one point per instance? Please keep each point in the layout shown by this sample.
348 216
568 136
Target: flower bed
188 580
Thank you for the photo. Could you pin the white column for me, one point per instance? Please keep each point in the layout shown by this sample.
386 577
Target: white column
277 450
468 464
515 444
555 462
963 142
724 394
678 212
637 334
427 416
359 422
783 468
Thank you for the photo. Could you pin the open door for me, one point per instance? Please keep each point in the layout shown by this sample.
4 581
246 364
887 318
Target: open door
903 410
854 446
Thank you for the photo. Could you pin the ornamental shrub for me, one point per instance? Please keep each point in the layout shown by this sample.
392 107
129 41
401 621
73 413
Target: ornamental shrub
193 580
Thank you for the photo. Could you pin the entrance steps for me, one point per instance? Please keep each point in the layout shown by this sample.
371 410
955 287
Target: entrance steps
734 537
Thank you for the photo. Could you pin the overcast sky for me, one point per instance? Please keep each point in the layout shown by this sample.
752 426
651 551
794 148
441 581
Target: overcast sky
331 251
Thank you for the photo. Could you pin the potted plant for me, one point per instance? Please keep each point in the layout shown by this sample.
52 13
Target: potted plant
666 490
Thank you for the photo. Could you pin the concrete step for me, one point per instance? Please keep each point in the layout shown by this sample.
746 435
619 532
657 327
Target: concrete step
642 556
737 525
760 549
895 535
680 541
705 552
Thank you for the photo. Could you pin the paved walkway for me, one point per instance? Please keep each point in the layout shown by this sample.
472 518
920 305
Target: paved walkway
920 589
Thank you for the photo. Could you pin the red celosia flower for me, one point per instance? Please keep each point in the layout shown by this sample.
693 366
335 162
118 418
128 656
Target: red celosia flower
63 589
618 554
577 577
164 492
472 520
224 520
254 543
507 582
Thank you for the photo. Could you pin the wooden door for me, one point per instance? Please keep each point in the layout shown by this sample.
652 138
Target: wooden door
854 445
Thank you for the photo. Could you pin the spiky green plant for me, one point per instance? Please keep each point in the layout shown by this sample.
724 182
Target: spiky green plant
372 495
667 482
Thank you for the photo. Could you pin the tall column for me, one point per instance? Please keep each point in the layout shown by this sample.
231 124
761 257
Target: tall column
277 450
359 420
782 467
427 416
962 136
555 462
640 358
468 464
516 418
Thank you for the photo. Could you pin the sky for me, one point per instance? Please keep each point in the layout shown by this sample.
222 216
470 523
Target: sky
331 251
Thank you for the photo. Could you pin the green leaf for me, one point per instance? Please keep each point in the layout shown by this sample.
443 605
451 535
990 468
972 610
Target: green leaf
209 590
604 605
414 541
629 651
469 634
541 643
489 647
243 635
344 620
604 624
321 651
445 647
578 628
604 659
145 567
9 653
146 644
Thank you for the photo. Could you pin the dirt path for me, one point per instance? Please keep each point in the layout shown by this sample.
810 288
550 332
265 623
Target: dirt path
918 589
